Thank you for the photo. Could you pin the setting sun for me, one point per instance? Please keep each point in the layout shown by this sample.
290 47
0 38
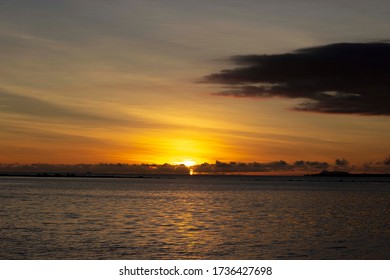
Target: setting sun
187 162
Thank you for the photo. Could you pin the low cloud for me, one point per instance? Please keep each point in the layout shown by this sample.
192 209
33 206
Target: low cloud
219 167
310 165
90 169
274 166
348 78
341 162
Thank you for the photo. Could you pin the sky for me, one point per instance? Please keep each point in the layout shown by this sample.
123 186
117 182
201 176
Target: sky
141 81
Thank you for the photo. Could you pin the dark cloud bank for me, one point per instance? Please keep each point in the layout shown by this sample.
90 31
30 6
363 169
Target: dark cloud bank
219 167
349 78
205 168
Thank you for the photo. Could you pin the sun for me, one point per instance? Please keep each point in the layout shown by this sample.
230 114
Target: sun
186 162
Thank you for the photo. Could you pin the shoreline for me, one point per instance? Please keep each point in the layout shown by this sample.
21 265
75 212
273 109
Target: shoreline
151 175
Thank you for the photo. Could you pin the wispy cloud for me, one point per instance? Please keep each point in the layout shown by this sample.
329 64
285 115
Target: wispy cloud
31 106
349 78
50 112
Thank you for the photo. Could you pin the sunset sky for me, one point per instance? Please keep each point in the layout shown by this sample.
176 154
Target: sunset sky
142 81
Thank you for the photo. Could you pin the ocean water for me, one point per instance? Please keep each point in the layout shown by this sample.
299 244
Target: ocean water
195 217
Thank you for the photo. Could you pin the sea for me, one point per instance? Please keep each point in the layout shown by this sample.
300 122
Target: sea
195 217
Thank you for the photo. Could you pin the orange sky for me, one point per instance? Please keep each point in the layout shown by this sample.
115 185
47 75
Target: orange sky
118 82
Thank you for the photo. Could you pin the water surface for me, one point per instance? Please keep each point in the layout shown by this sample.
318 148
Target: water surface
195 217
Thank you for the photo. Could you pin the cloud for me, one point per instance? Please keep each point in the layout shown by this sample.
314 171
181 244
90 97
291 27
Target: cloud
274 166
341 162
310 165
349 78
108 168
36 108
281 166
31 106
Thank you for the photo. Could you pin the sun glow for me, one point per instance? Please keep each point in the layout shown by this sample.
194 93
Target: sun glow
187 162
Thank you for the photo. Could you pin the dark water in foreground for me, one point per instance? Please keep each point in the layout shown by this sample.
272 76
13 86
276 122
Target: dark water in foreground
195 217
